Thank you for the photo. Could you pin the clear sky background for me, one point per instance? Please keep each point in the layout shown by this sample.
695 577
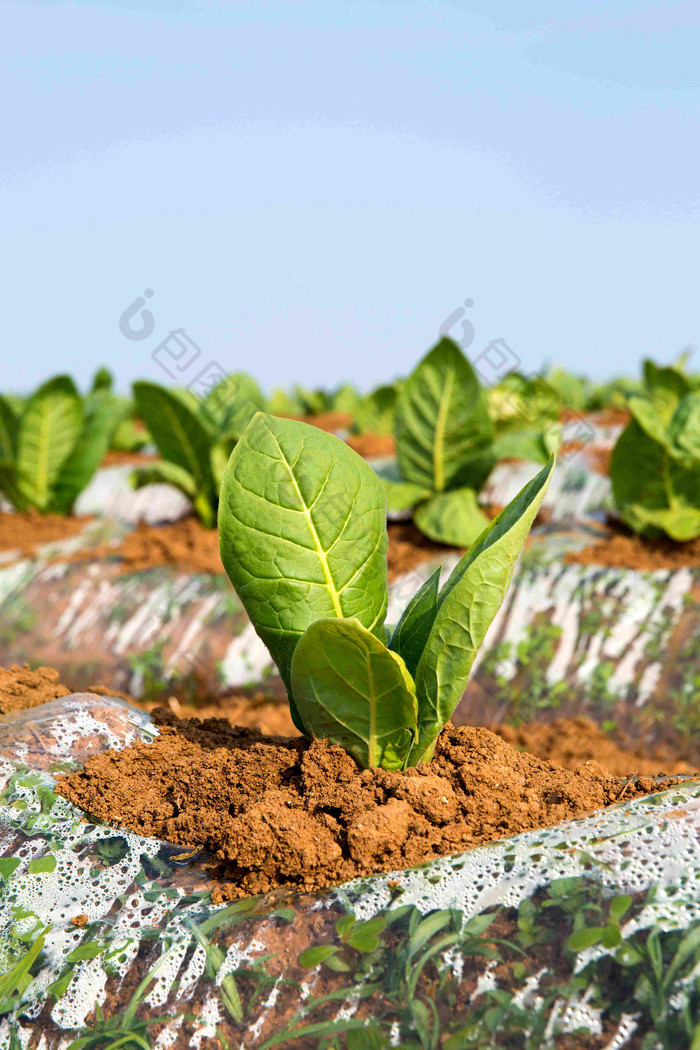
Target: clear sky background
311 188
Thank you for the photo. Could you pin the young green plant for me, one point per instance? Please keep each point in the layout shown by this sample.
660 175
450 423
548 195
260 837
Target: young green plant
446 446
302 524
655 464
194 439
51 448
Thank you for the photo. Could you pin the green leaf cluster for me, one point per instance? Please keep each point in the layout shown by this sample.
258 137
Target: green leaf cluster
189 438
52 446
302 526
231 404
446 446
655 464
375 413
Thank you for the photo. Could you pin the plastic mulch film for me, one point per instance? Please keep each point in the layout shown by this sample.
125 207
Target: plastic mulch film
578 492
147 633
583 935
110 494
616 644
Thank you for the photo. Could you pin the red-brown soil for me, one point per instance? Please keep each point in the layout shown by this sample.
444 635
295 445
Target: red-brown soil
28 530
21 688
369 445
599 460
189 546
604 417
408 547
279 811
185 545
329 421
566 741
612 417
622 549
261 712
115 458
570 741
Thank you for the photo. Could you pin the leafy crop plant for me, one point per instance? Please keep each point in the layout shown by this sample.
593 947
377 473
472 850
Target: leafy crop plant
194 438
655 464
302 524
51 447
446 446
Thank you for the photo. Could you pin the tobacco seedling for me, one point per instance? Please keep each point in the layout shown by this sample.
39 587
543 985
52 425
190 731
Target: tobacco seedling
302 524
446 446
655 464
51 448
194 447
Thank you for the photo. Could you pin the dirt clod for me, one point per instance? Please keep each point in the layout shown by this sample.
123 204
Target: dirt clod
279 811
22 688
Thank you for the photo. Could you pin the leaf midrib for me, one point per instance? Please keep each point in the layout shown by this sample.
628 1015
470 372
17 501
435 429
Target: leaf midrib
42 487
330 583
440 425
371 743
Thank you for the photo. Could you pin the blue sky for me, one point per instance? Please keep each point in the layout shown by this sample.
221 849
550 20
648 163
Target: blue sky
309 189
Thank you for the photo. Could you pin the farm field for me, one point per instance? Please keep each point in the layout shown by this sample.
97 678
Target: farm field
338 719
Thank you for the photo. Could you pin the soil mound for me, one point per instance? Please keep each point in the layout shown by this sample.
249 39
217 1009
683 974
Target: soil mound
22 688
570 741
622 549
26 531
185 545
279 811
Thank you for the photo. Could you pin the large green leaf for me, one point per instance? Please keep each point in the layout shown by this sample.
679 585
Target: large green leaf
467 605
453 517
413 629
179 434
652 421
8 430
93 445
302 524
349 688
47 435
666 386
653 489
443 428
